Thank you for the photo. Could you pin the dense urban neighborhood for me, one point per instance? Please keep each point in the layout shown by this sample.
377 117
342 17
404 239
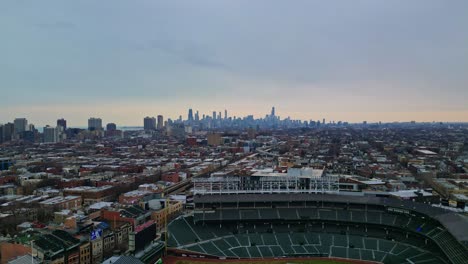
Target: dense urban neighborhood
91 195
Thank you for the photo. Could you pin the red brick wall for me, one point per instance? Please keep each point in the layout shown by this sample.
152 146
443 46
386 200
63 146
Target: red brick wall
173 177
115 216
9 251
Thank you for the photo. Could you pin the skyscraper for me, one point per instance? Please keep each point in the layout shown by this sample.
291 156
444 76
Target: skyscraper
214 115
149 123
111 127
21 125
50 134
160 122
8 131
273 111
225 114
30 127
62 122
197 116
94 124
190 115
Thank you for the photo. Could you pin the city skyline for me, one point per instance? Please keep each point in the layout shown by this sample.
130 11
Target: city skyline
233 131
368 60
140 121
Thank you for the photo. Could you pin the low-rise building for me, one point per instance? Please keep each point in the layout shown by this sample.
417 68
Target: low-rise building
170 210
59 202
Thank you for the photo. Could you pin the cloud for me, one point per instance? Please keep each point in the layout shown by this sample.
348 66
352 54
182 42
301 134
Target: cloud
190 53
58 25
332 55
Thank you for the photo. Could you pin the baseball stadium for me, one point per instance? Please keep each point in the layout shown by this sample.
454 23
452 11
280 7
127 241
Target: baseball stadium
301 226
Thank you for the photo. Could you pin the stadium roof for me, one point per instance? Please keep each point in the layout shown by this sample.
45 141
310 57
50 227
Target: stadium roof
455 223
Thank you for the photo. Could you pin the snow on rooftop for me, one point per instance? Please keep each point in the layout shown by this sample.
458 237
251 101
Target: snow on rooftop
426 152
100 205
410 193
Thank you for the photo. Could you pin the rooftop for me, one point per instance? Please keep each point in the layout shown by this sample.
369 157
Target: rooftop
59 199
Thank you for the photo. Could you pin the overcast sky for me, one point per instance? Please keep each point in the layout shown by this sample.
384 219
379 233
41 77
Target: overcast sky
389 60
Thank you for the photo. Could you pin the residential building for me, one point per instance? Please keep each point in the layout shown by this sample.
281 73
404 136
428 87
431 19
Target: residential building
59 202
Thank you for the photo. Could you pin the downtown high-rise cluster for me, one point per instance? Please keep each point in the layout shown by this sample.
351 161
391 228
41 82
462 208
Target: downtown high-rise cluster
21 130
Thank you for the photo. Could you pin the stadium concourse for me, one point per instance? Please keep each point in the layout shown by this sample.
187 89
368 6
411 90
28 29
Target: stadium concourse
252 226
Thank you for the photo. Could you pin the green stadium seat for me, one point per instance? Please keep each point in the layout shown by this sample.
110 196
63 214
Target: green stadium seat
370 243
401 221
261 239
339 252
373 217
357 216
230 214
254 252
241 252
265 251
340 240
269 214
388 219
409 252
299 250
230 253
344 215
424 258
182 232
269 239
354 253
216 215
277 251
243 240
367 255
398 248
379 255
386 245
356 241
311 249
255 240
327 214
288 214
196 248
325 240
222 245
298 239
249 214
308 213
211 249
312 238
324 249
232 241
